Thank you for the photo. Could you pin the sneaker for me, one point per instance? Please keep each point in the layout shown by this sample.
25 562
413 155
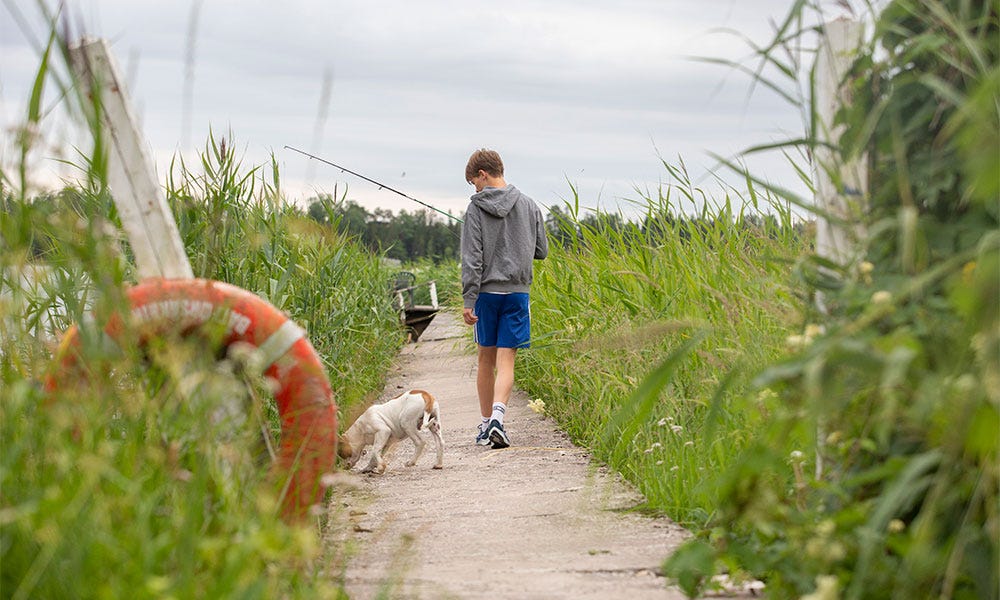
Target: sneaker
498 437
482 438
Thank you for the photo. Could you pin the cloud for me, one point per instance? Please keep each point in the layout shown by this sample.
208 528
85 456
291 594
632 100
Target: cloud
587 92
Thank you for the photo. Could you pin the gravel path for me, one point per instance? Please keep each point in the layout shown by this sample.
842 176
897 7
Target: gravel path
537 520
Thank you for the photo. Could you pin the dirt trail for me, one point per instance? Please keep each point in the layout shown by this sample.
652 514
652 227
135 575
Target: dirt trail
534 521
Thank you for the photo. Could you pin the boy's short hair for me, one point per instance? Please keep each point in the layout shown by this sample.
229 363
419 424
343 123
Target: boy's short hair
485 160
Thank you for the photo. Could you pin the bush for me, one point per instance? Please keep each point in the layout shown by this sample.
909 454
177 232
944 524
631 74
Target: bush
877 474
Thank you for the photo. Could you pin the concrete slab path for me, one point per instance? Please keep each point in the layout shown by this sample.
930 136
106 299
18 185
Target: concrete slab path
534 521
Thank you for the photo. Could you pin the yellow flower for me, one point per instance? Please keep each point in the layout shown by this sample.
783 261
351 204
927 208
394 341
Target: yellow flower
968 269
537 405
813 330
881 297
865 270
827 588
796 342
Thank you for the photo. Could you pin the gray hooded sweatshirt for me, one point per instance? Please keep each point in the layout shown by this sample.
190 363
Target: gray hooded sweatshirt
503 232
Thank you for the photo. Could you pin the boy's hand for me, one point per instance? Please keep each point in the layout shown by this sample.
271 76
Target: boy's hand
469 316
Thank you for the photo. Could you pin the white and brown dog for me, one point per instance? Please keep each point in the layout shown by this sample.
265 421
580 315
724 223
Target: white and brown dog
382 425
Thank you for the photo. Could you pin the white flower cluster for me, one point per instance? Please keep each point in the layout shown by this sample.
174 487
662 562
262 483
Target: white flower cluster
800 342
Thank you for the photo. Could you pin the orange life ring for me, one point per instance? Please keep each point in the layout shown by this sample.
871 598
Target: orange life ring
304 396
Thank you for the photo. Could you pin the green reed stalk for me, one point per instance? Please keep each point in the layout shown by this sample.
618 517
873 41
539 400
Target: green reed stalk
149 477
614 298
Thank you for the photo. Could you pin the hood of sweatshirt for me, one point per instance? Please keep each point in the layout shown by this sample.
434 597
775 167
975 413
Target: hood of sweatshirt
497 201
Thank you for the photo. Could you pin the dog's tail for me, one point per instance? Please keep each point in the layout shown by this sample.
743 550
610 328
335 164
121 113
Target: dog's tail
432 417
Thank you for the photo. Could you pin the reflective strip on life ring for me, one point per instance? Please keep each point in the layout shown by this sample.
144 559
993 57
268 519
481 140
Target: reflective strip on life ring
304 397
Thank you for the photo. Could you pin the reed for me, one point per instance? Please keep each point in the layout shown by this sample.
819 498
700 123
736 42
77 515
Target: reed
149 478
614 298
875 472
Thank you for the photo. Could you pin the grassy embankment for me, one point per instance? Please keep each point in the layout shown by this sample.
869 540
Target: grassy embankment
711 291
133 484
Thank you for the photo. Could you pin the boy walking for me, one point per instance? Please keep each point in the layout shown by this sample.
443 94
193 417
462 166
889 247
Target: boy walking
502 234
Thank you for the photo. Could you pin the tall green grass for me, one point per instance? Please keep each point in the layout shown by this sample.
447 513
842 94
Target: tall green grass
150 477
875 474
614 298
237 228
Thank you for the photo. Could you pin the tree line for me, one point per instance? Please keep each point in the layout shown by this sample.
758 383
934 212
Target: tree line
422 234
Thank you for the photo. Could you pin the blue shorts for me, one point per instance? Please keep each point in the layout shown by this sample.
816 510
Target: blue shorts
504 320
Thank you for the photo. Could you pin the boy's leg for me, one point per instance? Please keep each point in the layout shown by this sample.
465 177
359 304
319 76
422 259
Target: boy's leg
486 379
504 381
513 332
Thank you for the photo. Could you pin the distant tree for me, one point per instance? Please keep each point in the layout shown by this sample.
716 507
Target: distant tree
561 226
405 236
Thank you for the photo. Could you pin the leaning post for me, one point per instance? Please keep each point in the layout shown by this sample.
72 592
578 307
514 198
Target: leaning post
841 181
141 202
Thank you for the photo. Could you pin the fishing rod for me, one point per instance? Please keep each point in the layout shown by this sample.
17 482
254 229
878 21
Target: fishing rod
369 179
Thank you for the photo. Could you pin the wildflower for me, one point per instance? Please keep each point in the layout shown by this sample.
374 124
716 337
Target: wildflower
827 588
881 297
689 443
966 384
674 468
766 394
676 428
834 437
896 526
826 527
795 342
537 405
865 271
813 330
158 584
662 422
797 456
968 269
659 462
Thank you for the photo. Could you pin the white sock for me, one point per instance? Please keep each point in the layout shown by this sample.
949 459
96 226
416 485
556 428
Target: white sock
499 410
482 426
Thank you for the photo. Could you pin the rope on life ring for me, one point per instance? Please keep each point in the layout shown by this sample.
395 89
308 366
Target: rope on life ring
304 396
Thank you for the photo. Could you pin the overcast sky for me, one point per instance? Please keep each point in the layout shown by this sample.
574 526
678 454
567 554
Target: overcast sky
582 93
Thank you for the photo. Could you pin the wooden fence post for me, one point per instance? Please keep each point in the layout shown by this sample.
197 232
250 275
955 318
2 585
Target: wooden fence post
841 182
142 205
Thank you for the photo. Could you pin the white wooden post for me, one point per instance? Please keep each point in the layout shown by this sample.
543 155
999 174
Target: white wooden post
841 182
844 200
434 294
142 205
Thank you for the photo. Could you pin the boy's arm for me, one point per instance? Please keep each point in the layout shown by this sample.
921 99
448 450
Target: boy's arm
472 258
541 239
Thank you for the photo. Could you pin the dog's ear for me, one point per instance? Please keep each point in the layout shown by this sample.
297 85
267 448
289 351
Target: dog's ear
344 449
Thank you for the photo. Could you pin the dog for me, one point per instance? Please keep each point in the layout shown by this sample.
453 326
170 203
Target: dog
382 425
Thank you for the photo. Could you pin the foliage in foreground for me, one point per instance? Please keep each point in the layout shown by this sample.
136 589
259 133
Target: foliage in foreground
613 298
150 477
877 475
